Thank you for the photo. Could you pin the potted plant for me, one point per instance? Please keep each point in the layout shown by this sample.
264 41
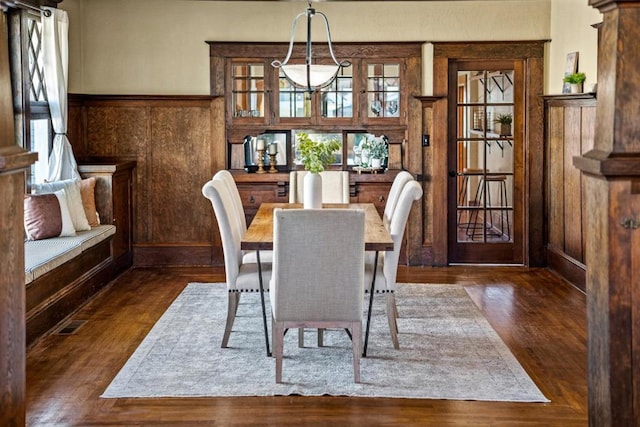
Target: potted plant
315 155
576 80
378 151
505 121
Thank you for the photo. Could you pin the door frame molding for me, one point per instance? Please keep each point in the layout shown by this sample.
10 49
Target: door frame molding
532 52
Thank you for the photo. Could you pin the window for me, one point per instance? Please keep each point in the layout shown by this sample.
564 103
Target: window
34 131
33 120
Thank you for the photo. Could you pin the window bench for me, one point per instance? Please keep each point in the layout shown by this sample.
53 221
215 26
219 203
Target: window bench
61 273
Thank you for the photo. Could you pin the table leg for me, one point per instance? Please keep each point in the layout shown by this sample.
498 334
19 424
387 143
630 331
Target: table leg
371 291
264 310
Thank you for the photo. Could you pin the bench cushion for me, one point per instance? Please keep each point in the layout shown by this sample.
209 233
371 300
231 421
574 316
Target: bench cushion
42 256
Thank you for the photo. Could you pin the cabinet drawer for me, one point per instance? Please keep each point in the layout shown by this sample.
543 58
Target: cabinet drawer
373 193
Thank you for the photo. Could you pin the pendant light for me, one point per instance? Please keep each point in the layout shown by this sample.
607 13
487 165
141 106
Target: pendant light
310 76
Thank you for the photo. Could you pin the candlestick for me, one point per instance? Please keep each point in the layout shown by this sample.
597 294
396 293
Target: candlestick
273 148
260 145
261 159
272 163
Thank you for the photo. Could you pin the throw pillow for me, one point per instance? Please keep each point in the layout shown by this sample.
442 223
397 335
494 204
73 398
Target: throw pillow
74 200
47 215
88 195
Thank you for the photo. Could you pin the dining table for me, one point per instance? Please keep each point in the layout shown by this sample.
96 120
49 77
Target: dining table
259 237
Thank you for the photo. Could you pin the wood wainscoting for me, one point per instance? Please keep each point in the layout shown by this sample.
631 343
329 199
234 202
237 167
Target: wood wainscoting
176 143
570 121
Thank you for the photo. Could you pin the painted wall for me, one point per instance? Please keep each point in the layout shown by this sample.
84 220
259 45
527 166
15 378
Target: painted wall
572 31
158 46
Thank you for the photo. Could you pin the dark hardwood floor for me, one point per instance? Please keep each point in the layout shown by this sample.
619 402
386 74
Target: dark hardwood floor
539 316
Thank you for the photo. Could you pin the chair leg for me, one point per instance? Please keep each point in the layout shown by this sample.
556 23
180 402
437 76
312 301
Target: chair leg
278 343
356 342
233 298
300 337
320 337
392 314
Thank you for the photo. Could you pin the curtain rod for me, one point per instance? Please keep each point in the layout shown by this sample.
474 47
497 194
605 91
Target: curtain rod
30 7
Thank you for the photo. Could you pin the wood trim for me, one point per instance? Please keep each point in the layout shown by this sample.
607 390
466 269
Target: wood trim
177 254
532 52
567 267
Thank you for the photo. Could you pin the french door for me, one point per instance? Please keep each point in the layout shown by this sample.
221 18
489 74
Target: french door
485 161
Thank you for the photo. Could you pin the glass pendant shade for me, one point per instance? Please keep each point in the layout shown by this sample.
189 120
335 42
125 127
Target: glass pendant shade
319 75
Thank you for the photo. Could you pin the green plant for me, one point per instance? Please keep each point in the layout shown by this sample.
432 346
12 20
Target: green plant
575 78
316 155
504 119
378 149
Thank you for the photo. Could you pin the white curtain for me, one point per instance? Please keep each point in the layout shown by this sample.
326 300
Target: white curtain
55 53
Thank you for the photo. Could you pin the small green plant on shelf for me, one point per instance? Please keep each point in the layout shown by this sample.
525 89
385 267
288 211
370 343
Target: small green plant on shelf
504 119
315 155
575 78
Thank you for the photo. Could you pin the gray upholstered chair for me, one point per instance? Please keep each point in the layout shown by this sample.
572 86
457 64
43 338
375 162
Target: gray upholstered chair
318 271
394 193
237 216
387 267
335 186
241 276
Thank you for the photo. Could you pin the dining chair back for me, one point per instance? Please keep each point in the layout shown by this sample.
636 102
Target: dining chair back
237 216
335 186
226 177
240 276
387 269
394 193
318 274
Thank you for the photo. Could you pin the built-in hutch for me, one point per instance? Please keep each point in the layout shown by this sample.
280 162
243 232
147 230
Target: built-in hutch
373 96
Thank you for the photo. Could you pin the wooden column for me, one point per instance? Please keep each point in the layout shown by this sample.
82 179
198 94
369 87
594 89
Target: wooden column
613 206
13 161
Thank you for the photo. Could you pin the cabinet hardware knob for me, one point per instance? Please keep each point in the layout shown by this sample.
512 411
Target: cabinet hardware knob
252 199
381 199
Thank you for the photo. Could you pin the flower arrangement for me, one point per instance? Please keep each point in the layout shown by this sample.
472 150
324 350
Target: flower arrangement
504 119
316 155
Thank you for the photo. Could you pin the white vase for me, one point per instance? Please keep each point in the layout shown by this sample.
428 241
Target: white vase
376 163
312 191
576 87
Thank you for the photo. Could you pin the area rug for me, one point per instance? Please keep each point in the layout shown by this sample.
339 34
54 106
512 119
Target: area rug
448 350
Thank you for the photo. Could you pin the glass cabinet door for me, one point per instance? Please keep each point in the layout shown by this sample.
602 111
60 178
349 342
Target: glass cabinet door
383 90
337 98
293 102
248 89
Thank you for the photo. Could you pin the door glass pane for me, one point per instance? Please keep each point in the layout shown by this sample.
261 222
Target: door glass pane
485 156
247 89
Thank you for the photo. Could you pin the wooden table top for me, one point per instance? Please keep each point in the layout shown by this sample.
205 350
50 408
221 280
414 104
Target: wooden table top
259 235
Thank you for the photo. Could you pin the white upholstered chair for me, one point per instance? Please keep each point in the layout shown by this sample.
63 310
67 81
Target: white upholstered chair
335 186
237 216
394 193
241 276
387 267
318 272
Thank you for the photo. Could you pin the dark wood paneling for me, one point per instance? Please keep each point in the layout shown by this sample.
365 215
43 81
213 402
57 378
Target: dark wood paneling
177 143
569 133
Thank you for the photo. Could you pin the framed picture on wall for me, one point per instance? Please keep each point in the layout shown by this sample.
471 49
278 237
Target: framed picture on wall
570 67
